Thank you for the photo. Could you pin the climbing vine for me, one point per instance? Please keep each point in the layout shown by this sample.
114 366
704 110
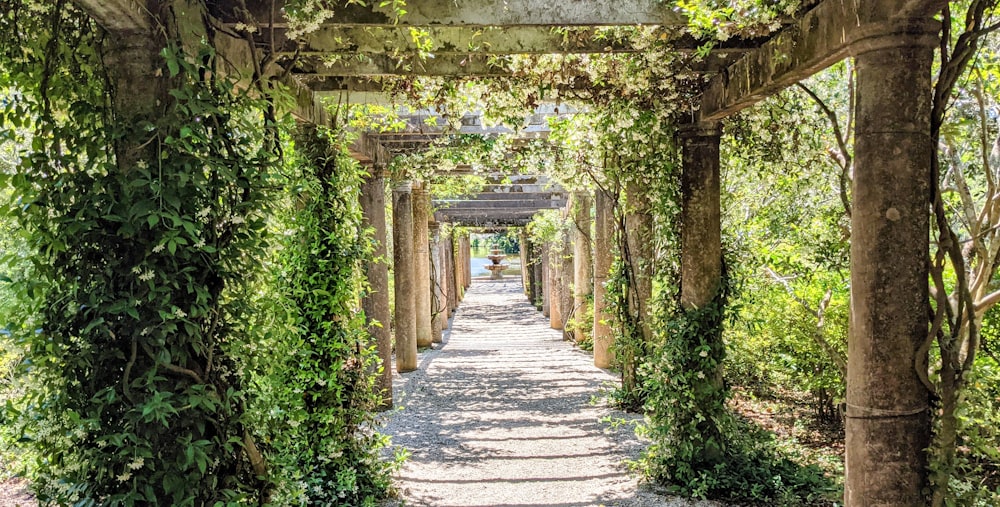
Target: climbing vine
316 380
139 228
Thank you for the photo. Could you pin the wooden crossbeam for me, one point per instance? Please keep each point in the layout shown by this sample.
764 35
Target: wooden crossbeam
479 13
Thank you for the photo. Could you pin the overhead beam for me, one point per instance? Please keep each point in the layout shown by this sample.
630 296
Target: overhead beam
497 205
455 65
479 13
441 40
531 196
825 35
490 222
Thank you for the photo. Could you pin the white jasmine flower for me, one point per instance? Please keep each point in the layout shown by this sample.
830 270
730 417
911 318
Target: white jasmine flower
137 463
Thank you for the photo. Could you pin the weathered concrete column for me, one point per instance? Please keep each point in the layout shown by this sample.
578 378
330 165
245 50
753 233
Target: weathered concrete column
566 271
555 287
522 252
604 223
701 230
583 283
375 302
888 409
529 270
402 263
422 265
438 312
466 261
639 237
543 261
465 276
450 272
536 274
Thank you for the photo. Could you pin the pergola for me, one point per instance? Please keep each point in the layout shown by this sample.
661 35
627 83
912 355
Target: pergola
888 408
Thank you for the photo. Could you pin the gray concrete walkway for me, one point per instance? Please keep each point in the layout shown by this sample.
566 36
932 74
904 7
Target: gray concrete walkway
504 415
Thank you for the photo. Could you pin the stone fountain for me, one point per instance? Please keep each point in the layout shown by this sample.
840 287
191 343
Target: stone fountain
496 268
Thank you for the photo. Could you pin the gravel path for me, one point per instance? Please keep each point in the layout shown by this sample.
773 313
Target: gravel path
504 414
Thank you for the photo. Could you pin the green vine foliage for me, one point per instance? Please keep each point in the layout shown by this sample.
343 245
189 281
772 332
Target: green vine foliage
318 399
699 447
133 396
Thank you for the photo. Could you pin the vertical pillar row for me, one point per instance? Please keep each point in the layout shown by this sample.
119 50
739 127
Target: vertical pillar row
421 265
583 285
375 302
403 272
888 408
603 227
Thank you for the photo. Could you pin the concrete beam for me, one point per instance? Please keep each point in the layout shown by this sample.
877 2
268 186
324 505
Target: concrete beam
510 204
481 13
118 15
489 222
367 150
507 40
531 196
474 65
825 35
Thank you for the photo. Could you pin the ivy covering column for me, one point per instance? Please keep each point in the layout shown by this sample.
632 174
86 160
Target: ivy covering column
438 302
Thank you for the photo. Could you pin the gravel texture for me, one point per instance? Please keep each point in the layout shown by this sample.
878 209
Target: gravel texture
506 413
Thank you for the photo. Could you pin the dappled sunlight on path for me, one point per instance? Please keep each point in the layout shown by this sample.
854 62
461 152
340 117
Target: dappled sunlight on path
502 414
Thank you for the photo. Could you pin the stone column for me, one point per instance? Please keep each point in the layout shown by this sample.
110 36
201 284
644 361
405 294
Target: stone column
583 284
604 223
567 271
375 302
543 261
639 239
555 288
403 271
463 268
888 408
438 312
529 270
451 272
466 261
536 275
701 231
422 265
522 251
